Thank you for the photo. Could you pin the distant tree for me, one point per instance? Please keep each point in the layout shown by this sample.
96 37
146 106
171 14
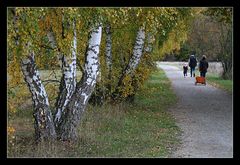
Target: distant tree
224 17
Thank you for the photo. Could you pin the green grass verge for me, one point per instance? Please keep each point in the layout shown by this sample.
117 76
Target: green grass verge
217 81
141 129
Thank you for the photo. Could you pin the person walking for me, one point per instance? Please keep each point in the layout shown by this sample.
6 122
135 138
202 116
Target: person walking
192 64
185 69
203 66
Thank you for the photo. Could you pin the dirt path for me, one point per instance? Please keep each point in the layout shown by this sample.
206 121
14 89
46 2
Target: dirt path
204 113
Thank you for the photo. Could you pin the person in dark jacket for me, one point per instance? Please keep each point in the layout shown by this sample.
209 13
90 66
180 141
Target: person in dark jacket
203 66
192 64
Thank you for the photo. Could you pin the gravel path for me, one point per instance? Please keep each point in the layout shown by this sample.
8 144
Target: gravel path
204 113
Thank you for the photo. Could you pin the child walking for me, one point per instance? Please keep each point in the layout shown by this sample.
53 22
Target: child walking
185 69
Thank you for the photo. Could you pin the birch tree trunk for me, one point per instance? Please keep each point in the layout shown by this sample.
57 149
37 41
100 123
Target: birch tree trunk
100 94
109 57
68 81
44 125
148 49
43 120
137 52
84 88
133 62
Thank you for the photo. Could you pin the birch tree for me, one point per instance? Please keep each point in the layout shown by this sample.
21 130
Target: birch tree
84 88
73 97
43 120
152 22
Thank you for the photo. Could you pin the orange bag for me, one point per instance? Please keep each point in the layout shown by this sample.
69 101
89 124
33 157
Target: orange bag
201 80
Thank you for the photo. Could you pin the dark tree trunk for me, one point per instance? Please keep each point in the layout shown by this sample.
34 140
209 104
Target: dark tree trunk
225 55
98 96
227 69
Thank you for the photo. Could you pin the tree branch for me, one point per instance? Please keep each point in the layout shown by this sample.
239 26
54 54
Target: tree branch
48 81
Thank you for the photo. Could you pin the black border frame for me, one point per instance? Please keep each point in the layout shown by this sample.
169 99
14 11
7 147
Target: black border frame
120 3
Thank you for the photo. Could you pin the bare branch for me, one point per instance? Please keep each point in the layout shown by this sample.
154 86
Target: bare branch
48 81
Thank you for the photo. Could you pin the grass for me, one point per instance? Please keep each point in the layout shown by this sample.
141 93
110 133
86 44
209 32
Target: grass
141 129
219 82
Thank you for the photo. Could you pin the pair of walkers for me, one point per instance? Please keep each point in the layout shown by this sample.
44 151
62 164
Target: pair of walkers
203 66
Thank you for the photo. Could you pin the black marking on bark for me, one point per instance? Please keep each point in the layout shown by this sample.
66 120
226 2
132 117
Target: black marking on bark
44 130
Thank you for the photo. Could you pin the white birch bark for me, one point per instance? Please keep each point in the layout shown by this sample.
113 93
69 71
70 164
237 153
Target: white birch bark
137 51
84 89
44 125
43 121
133 62
68 80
